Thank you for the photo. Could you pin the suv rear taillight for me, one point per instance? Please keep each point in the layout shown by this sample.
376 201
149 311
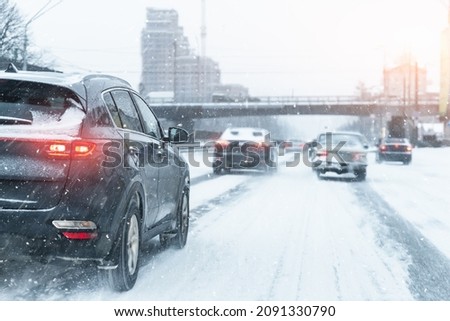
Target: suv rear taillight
67 149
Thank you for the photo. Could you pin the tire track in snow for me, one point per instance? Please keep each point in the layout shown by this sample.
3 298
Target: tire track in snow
228 197
429 270
279 268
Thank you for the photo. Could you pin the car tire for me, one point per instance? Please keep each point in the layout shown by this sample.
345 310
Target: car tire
125 275
318 174
178 238
274 169
221 170
360 174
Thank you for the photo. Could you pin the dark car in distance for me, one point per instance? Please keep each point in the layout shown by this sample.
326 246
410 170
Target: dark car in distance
244 148
394 150
86 173
340 153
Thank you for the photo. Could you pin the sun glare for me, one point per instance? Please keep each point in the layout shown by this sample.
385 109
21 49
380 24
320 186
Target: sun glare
410 29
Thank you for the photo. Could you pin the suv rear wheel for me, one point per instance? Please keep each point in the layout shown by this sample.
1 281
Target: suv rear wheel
179 236
125 275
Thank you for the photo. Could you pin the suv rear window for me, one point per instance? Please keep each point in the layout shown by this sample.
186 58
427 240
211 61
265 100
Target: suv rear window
38 105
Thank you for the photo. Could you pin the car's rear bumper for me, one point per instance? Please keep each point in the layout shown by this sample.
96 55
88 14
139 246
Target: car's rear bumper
31 234
339 168
241 161
395 156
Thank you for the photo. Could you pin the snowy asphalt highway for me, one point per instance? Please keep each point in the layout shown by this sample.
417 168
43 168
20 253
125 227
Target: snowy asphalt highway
429 269
287 236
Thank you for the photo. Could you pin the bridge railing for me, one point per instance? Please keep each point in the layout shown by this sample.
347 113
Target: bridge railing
304 100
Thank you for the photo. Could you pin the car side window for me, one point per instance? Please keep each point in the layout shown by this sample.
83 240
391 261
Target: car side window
150 122
112 109
127 111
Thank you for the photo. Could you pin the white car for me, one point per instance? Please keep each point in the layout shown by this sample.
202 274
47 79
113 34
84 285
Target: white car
244 148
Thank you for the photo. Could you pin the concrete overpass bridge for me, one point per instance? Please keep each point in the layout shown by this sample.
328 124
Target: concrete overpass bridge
270 106
375 113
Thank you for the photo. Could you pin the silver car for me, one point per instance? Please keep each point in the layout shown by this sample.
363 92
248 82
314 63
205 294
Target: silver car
340 153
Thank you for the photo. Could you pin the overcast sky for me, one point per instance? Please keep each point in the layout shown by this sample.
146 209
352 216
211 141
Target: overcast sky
274 47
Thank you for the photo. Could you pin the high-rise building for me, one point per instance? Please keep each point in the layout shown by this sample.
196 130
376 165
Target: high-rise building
162 41
196 78
169 68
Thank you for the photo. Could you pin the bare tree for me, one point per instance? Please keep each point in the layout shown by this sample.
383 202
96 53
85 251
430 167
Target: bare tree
11 31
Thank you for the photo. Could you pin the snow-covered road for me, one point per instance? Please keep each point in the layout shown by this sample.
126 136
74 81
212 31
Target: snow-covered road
289 236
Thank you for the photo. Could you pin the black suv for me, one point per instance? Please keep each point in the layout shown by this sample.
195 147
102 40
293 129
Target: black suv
86 173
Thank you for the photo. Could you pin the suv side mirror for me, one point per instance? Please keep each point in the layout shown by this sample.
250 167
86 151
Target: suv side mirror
178 135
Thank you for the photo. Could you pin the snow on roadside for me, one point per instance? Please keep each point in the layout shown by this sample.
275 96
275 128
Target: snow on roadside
420 192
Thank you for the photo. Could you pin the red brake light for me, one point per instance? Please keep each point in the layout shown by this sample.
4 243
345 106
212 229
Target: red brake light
223 143
262 144
61 149
409 148
82 149
58 149
383 147
358 156
322 153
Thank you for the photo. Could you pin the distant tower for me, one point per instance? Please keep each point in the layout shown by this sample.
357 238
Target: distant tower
203 29
162 41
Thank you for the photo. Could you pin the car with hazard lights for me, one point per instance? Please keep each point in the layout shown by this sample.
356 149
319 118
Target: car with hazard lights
86 173
244 148
392 149
340 153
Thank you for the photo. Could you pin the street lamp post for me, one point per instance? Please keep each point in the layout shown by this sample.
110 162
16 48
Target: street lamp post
175 70
37 15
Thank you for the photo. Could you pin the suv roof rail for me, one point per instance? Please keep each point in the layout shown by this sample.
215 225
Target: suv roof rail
12 68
